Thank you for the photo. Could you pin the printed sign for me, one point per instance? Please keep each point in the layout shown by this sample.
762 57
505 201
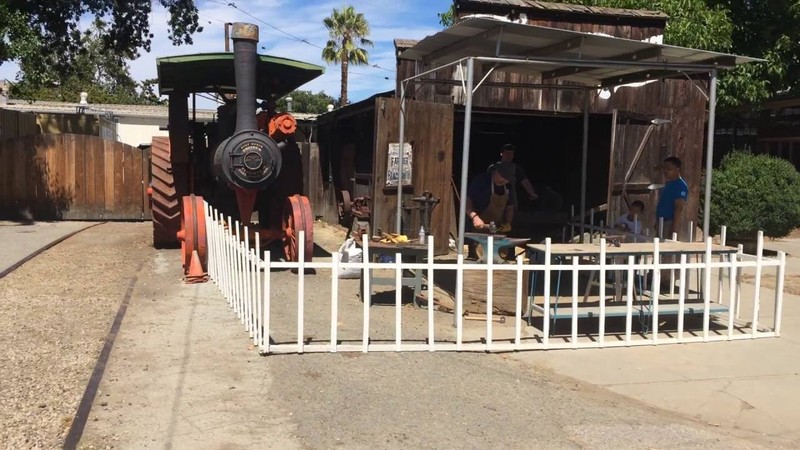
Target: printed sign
392 167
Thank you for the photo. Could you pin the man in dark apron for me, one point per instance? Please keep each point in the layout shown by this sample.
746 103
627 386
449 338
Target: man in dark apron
490 197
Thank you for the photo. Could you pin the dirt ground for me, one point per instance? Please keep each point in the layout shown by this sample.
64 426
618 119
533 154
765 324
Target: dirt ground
55 312
183 374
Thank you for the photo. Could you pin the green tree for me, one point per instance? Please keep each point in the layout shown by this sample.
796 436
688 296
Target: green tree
755 192
348 31
103 75
307 102
49 31
448 18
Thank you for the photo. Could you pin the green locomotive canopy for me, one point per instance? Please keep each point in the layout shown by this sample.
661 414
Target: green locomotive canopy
214 73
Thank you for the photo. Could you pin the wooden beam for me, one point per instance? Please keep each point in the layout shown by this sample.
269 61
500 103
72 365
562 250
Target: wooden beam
639 55
463 44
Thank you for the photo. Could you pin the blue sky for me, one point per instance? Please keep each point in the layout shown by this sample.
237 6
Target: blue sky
289 20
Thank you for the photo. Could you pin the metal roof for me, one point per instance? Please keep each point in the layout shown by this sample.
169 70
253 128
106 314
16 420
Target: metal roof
591 59
145 111
119 110
213 72
567 8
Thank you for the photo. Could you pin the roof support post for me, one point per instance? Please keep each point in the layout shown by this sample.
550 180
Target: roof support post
398 223
462 207
584 159
712 107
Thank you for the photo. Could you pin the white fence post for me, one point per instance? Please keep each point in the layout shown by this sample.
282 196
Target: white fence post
265 344
518 306
779 275
367 300
707 290
721 274
247 280
733 311
489 255
757 295
301 238
431 327
629 300
459 322
334 300
681 297
602 298
398 301
257 298
656 289
575 276
547 276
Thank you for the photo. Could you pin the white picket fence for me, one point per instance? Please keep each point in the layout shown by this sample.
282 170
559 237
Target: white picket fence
243 274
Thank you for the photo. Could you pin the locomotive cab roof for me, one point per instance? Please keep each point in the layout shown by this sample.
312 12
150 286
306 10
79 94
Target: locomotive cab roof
214 73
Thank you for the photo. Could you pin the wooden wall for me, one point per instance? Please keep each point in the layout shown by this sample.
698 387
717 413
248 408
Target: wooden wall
320 193
429 129
15 124
73 177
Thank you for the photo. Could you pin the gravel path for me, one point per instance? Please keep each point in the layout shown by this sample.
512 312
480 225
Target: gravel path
55 312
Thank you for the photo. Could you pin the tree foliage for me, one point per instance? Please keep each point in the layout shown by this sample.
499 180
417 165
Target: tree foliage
103 75
348 31
307 102
40 33
755 192
448 18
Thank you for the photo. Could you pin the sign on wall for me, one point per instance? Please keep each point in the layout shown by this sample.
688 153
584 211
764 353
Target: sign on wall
393 164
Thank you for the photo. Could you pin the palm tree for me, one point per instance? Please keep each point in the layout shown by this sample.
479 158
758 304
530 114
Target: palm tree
347 30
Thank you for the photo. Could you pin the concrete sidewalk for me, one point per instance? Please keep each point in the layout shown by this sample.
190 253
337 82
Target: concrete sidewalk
20 239
749 385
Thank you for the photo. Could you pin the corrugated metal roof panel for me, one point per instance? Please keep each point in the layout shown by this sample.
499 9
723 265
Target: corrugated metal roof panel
563 54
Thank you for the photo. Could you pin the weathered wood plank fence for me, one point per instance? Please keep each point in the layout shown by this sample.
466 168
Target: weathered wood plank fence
72 177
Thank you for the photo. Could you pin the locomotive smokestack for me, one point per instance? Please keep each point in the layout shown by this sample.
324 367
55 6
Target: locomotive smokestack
245 40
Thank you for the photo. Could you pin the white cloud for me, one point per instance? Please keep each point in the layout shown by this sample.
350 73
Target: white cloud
388 19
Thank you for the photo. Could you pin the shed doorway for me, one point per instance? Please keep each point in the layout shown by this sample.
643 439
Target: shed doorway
549 148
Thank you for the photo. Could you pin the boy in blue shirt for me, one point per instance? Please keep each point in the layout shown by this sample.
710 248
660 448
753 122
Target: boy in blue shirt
672 201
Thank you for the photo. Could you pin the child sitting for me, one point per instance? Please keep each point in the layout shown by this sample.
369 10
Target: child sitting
631 222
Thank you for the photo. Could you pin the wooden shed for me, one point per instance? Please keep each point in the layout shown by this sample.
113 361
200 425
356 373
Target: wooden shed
590 97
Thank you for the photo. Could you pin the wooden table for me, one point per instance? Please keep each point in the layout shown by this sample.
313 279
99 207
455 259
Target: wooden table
560 252
409 252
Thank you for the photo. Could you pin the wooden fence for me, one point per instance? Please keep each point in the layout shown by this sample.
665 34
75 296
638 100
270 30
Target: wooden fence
73 177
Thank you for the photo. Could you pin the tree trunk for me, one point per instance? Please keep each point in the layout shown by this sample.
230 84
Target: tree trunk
343 99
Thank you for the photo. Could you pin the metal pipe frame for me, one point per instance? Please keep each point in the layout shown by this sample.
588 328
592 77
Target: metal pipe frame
462 207
398 221
712 107
584 159
468 91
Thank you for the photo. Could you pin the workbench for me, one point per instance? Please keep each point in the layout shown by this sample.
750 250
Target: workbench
410 253
559 253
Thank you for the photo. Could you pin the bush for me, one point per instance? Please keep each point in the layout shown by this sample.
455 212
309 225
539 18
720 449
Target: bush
755 192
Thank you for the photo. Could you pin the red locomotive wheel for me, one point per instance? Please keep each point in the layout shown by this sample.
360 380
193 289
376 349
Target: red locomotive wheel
193 231
297 216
